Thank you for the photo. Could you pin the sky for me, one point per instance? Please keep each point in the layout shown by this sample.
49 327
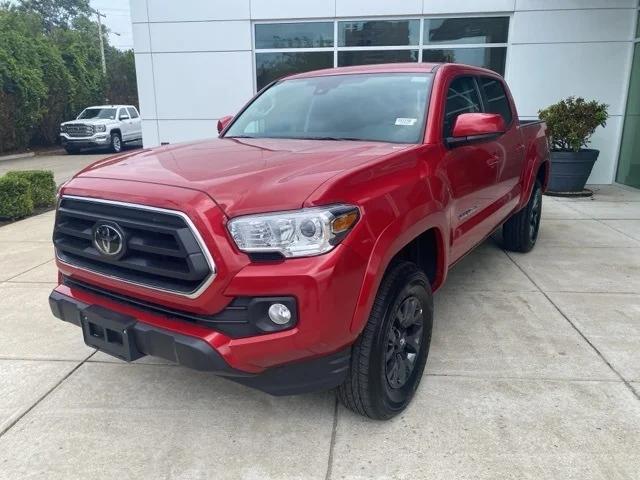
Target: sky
118 20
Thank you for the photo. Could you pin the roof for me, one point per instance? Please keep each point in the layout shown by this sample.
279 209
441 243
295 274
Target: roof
388 68
378 68
109 106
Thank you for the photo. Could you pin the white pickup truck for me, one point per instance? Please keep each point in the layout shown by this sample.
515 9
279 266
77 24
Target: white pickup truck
103 126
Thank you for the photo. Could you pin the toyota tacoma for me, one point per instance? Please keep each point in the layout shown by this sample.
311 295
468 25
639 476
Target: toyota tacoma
300 250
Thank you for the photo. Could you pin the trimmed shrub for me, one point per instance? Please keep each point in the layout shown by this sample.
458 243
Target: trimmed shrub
43 186
572 121
15 198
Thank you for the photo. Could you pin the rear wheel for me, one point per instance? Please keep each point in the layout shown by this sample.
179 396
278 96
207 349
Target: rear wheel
388 359
520 232
116 142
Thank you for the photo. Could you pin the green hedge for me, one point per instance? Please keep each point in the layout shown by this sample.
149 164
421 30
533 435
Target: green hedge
43 186
15 197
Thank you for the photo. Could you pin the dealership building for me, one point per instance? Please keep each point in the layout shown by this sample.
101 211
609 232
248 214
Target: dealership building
199 60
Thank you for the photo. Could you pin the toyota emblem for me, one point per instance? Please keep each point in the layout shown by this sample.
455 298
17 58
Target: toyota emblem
108 239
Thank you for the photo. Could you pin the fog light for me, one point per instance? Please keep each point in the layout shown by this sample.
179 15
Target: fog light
279 314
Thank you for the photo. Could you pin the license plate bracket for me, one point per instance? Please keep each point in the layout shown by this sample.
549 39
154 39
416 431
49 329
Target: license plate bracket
110 332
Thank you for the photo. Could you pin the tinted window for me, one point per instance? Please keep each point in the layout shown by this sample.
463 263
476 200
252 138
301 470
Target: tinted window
378 32
369 57
132 112
271 66
103 113
495 96
294 35
462 97
466 30
492 58
389 107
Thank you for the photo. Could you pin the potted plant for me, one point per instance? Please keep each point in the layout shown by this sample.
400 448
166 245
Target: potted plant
571 123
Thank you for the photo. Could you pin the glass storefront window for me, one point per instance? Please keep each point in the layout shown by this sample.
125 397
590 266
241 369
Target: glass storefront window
493 58
370 57
466 30
294 35
292 47
379 33
271 66
629 161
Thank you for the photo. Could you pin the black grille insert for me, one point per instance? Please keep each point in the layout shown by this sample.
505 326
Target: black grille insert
161 251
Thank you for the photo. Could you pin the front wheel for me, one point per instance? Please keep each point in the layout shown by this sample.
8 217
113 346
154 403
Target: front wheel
388 359
116 142
520 232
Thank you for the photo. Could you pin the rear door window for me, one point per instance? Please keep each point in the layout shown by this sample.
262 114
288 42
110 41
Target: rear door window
133 113
495 98
462 97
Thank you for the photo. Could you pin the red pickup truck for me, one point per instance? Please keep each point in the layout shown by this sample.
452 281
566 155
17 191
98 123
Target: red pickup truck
300 249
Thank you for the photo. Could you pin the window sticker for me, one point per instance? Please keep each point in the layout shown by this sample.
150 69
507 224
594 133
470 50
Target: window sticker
407 122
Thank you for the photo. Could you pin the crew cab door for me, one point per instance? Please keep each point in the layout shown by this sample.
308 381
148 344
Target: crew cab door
125 124
471 171
136 123
507 149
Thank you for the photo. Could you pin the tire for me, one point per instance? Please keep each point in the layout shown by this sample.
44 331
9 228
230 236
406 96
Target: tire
72 151
385 368
520 232
116 142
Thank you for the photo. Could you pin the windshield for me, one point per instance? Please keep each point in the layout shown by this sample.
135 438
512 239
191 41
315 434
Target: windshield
386 107
106 113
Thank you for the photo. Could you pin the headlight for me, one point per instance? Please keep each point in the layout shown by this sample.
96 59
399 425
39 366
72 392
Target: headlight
300 233
101 128
63 128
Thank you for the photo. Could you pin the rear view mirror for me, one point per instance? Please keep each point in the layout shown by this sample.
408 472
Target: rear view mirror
474 127
223 122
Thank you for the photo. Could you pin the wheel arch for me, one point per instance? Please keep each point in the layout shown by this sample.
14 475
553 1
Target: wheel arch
426 246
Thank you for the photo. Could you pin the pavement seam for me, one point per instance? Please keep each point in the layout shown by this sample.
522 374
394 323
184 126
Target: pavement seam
584 337
27 271
333 439
524 379
601 221
45 395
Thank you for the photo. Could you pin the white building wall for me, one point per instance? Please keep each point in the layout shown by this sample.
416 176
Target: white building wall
194 58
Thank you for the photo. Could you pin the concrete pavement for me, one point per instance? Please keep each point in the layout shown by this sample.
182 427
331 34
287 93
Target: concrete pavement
63 166
534 373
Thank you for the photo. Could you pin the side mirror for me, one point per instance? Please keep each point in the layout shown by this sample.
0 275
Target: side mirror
223 122
124 117
476 127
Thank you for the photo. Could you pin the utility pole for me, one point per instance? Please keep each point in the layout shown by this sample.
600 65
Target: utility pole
104 62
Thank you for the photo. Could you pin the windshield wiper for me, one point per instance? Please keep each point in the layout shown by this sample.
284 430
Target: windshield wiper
239 136
352 139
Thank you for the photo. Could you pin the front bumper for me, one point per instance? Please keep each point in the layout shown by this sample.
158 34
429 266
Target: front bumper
317 374
101 139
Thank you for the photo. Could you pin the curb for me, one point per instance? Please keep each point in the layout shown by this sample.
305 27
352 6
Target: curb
17 156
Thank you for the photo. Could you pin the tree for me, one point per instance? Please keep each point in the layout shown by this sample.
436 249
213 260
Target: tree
22 80
121 76
51 69
57 13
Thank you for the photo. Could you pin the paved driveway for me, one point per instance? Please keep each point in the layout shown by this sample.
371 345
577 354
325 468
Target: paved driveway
534 373
63 166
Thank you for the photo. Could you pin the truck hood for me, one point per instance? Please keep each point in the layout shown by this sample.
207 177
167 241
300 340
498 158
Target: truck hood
244 175
90 121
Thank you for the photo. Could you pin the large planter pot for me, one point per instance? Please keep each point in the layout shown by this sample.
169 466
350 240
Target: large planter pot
570 170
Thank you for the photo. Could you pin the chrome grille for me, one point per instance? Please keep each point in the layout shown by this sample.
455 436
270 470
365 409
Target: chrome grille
162 250
79 130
